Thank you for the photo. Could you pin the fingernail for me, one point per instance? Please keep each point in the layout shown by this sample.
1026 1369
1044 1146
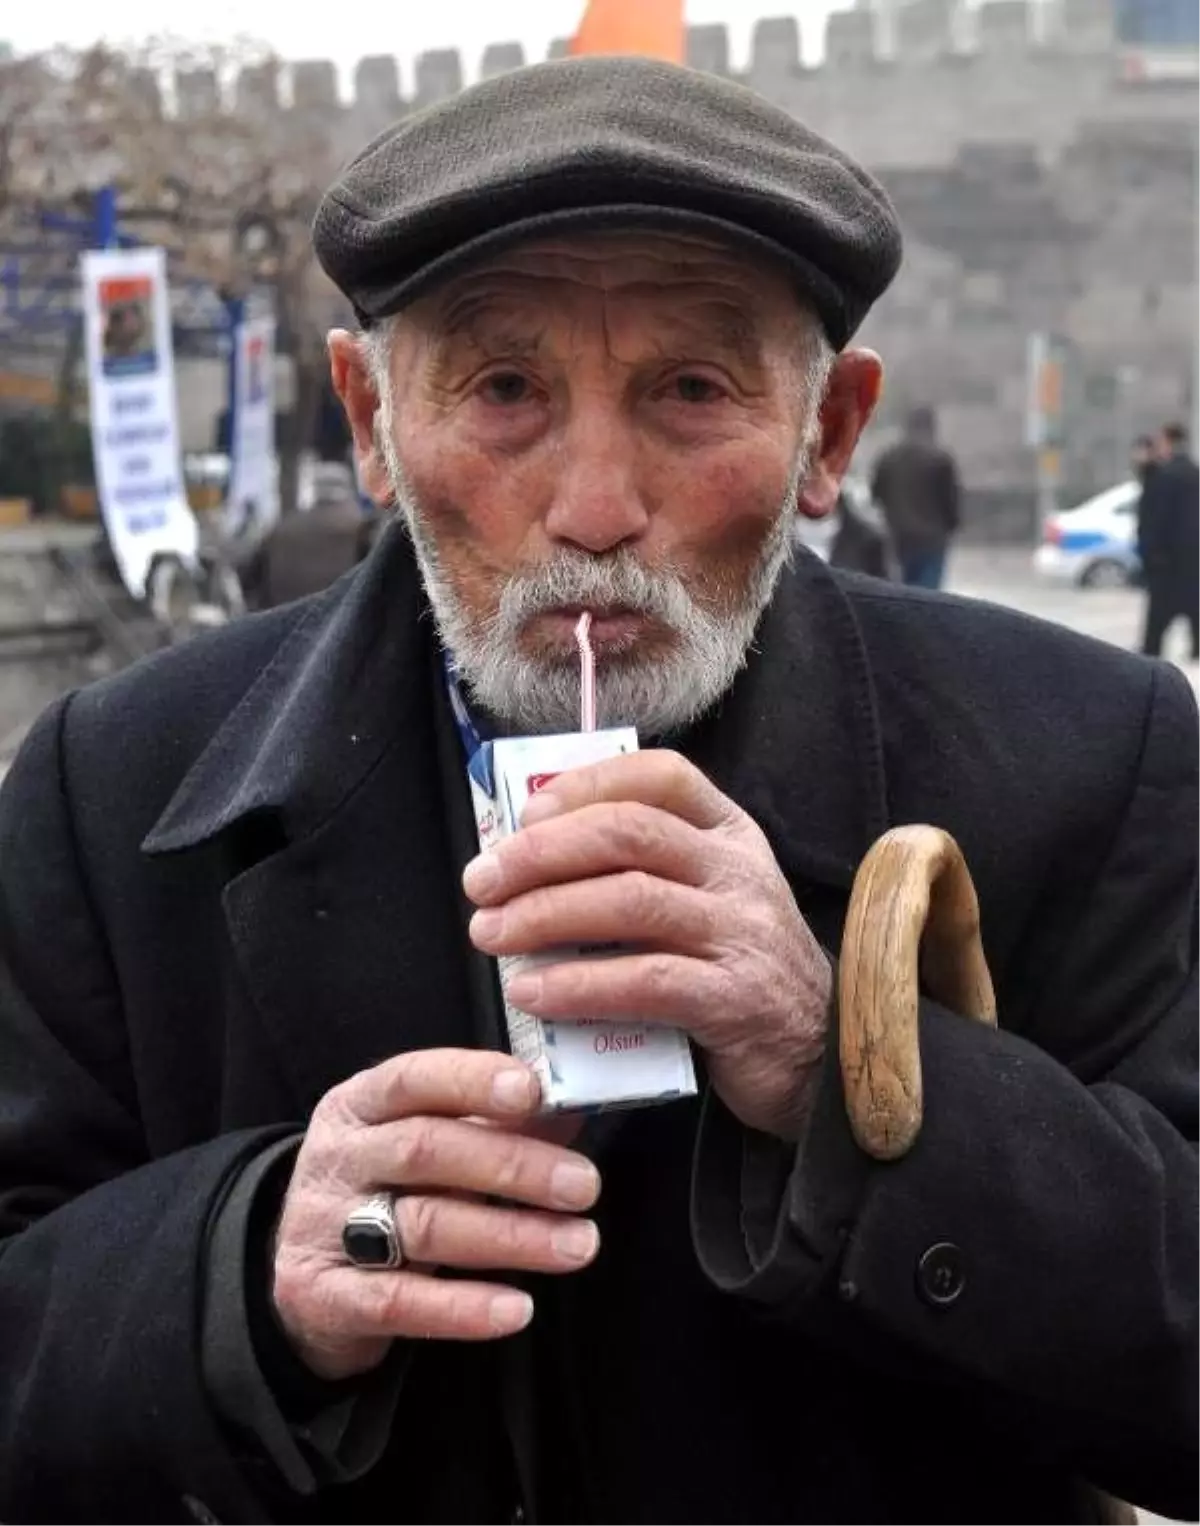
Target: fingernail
513 1090
574 1185
481 876
510 1312
575 1243
525 989
540 808
486 924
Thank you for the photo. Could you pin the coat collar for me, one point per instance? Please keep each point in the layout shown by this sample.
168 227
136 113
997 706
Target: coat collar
320 716
796 741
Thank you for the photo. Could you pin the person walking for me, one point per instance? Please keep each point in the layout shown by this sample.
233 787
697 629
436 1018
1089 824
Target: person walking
1143 458
861 542
311 548
917 486
1169 542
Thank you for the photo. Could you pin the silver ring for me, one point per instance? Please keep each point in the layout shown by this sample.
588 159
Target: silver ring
370 1237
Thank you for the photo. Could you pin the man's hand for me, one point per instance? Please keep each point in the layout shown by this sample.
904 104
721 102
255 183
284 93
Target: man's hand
644 850
445 1129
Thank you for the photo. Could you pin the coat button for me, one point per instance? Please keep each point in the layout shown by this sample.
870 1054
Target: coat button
942 1274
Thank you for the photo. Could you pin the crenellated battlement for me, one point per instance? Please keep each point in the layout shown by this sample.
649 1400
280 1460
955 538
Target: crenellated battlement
897 89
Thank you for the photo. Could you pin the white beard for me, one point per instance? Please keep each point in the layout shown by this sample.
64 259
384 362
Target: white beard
660 693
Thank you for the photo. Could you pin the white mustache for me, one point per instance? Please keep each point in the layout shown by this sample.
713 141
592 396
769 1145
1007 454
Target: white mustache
620 581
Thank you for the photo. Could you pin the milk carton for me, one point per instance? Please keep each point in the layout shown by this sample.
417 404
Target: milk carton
585 1064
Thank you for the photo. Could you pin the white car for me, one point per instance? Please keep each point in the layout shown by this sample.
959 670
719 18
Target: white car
1093 545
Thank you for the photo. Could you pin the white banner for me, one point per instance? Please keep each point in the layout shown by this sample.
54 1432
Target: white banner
131 392
252 502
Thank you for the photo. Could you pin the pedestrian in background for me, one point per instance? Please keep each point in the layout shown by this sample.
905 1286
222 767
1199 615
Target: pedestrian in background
861 542
1169 542
309 549
916 485
1143 457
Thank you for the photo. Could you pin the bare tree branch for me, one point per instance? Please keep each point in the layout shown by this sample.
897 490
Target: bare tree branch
204 156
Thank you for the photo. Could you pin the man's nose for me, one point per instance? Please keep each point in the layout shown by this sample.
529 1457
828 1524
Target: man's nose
597 504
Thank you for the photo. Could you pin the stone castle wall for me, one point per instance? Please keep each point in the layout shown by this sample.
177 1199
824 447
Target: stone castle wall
1043 180
1007 71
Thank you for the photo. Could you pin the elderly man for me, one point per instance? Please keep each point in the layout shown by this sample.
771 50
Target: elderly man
249 983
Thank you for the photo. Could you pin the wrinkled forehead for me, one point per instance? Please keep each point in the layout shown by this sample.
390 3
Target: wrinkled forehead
666 276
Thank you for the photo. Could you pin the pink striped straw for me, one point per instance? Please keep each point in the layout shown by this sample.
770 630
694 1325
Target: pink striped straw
587 674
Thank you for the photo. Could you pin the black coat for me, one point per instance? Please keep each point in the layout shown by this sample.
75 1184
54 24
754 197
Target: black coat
307 551
1169 524
915 482
859 545
228 880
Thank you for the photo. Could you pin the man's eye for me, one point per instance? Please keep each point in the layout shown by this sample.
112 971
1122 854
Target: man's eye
506 387
696 389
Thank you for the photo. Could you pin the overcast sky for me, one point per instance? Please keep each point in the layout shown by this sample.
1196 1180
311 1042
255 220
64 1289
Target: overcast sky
404 27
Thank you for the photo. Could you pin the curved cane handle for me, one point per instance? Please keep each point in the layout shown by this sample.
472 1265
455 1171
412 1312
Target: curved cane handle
913 910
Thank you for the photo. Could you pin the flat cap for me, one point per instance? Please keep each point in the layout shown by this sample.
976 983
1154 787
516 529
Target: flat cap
601 142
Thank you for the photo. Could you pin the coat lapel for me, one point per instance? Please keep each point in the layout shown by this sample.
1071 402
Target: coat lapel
350 936
797 741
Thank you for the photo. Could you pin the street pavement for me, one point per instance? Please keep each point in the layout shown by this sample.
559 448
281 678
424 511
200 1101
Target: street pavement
1005 576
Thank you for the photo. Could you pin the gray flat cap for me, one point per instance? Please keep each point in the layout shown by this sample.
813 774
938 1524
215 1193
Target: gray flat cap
602 142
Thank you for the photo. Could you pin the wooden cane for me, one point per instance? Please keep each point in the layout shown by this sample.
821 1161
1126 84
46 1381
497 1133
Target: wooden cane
913 913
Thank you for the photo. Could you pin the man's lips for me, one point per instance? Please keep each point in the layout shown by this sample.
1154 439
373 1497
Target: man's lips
607 627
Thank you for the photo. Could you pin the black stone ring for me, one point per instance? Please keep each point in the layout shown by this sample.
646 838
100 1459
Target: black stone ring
370 1237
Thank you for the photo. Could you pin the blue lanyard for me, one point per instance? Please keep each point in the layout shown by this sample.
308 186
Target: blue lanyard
477 754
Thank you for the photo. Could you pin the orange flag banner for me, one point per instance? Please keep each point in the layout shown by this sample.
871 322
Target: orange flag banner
652 28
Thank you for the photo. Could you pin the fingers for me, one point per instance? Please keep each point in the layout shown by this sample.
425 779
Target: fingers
453 1232
653 987
603 839
347 1306
445 1082
444 1121
458 1156
630 908
656 777
333 1309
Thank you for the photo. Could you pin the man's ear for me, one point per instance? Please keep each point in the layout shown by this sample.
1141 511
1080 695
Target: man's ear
351 378
854 388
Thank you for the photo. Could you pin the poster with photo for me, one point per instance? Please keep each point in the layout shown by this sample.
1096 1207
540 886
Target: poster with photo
131 401
252 504
127 326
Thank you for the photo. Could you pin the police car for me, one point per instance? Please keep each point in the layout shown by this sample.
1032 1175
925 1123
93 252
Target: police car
1093 545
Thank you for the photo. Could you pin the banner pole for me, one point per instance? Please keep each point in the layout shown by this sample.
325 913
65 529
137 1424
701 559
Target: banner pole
104 218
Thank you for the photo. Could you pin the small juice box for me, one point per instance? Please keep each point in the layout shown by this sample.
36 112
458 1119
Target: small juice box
585 1064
